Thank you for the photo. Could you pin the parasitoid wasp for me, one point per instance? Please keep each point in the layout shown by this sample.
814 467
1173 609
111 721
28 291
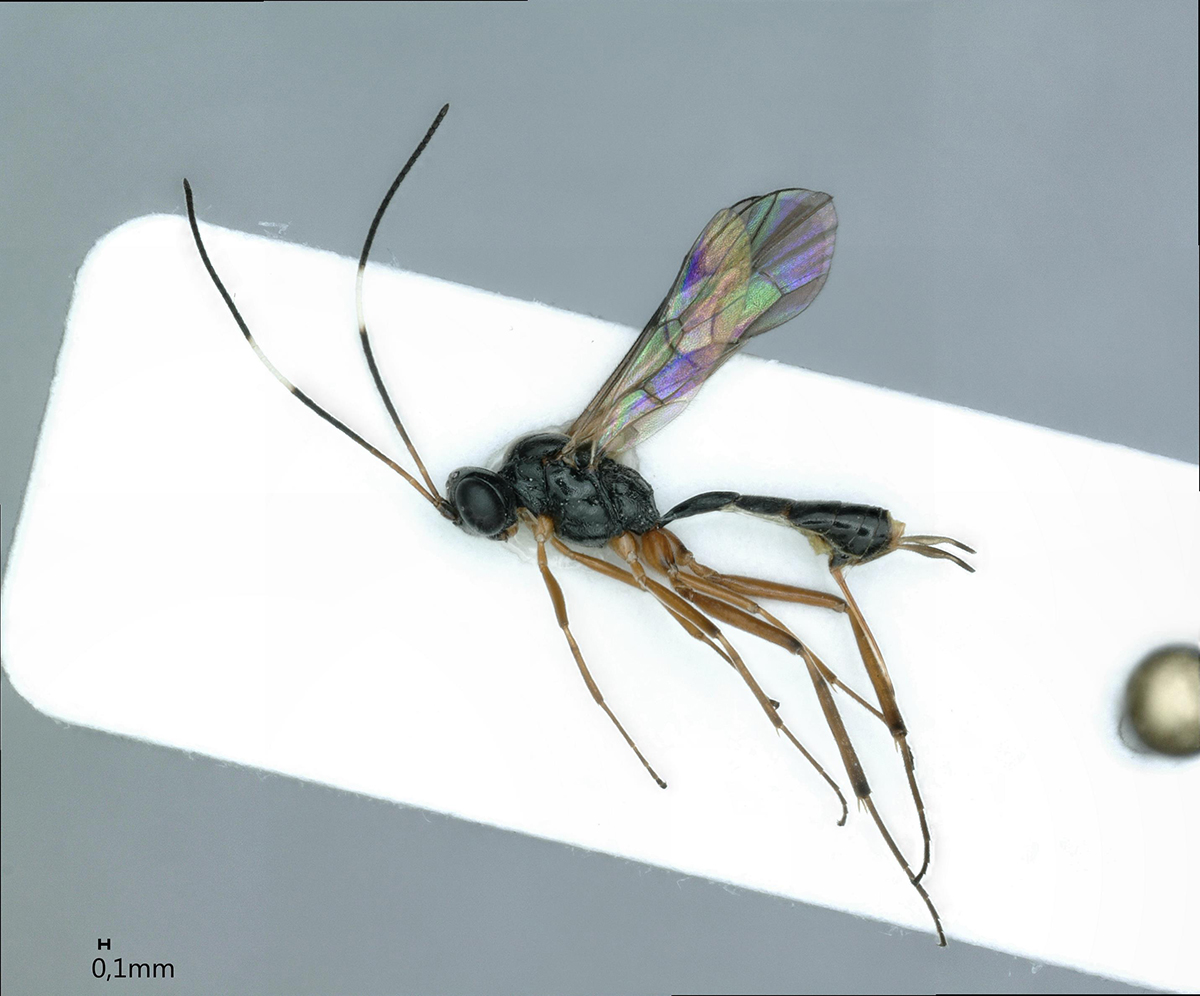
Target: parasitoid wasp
756 265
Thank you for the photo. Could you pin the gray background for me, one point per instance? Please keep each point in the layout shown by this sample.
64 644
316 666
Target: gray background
1017 182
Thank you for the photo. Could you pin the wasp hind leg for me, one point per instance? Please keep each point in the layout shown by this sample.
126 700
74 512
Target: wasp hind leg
735 608
872 657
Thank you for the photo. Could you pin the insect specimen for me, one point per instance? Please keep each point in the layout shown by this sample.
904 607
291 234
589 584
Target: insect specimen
756 265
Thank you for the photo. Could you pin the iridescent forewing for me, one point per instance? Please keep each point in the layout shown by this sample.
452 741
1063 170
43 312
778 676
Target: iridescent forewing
754 266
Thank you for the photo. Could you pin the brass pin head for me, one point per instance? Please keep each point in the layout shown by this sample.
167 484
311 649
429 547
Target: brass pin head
1162 701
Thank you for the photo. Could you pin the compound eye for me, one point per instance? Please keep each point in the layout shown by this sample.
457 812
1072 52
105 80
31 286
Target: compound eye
483 507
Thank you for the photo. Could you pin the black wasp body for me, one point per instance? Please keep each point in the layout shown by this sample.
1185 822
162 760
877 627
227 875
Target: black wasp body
757 264
593 505
588 504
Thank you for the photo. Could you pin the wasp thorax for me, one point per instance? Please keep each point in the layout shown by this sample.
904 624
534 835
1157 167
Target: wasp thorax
485 502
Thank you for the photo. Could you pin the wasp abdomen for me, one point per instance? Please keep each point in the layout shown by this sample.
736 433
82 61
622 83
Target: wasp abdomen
853 533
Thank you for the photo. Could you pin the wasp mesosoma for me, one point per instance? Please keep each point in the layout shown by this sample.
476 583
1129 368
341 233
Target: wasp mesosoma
756 265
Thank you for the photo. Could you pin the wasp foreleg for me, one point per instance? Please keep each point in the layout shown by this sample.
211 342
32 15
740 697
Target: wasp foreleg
542 529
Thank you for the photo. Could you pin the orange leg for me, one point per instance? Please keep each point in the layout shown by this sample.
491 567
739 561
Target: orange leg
626 547
542 530
625 577
885 692
872 657
733 607
702 629
771 589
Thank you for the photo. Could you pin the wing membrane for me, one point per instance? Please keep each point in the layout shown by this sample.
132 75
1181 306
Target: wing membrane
754 266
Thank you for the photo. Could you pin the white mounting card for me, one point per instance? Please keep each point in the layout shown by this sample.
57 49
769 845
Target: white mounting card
203 563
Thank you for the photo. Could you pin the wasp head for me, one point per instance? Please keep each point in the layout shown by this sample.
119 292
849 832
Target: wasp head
484 502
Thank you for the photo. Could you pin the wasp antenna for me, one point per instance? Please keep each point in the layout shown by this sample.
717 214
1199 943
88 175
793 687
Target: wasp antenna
363 335
299 395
